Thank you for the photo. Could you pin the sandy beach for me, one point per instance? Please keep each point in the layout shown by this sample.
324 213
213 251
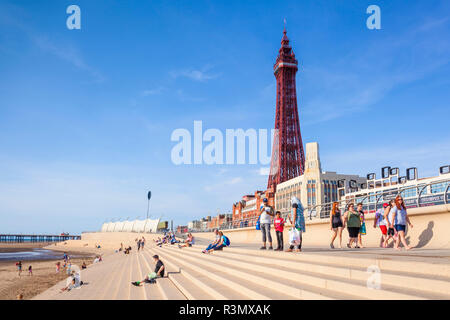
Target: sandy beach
44 271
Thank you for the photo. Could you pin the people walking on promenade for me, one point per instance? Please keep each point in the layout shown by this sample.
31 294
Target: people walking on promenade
278 222
215 242
298 223
336 224
391 233
380 222
265 218
400 219
353 222
362 229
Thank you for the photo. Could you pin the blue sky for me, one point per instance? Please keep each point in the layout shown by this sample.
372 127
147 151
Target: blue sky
86 115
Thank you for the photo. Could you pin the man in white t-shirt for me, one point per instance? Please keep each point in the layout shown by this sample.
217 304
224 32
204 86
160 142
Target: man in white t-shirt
265 219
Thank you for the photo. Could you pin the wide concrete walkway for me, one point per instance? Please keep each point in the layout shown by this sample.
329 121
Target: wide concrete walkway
245 272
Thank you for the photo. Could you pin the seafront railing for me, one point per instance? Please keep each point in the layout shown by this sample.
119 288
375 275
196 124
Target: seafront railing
419 195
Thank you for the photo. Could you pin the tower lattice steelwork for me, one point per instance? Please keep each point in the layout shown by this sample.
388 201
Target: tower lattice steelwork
288 157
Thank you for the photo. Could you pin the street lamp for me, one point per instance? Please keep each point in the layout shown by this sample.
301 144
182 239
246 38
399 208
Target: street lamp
149 196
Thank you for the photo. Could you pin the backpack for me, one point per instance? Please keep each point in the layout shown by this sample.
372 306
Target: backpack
226 241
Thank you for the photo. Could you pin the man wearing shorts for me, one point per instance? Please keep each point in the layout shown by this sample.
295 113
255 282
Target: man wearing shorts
381 222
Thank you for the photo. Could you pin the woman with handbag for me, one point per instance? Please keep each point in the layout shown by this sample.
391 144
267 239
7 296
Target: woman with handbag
353 221
298 223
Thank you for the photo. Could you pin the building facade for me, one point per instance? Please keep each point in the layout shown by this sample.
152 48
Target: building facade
315 187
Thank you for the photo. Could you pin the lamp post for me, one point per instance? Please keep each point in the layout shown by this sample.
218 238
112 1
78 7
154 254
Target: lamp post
149 196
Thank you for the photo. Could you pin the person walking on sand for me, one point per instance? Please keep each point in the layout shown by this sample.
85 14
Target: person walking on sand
380 222
336 224
139 245
30 271
58 267
352 220
19 268
400 219
362 229
265 218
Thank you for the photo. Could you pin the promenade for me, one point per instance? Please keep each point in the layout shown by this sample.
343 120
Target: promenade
244 272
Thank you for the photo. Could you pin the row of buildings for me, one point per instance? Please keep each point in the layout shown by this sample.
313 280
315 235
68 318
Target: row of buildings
317 189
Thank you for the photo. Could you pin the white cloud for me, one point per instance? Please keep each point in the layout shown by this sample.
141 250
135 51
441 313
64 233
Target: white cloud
194 74
265 171
150 92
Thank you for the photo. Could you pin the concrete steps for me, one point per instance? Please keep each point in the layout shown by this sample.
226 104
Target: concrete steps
245 273
270 283
394 285
158 291
241 281
120 290
193 280
426 285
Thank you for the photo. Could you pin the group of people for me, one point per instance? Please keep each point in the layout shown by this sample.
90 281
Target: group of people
190 240
392 220
140 243
19 269
168 238
219 243
296 218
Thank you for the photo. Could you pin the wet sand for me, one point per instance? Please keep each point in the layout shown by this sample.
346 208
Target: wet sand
44 272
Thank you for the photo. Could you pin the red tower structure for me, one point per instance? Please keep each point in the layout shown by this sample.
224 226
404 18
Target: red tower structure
288 157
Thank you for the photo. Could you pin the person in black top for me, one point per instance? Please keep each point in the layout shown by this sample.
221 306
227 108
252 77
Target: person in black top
159 270
336 224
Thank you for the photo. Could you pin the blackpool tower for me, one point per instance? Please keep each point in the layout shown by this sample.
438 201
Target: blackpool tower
288 157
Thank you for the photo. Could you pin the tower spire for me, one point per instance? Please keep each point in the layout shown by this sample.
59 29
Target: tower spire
288 157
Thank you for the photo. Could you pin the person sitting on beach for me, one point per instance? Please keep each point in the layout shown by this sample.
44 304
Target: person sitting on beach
223 242
74 283
215 242
83 266
150 278
19 267
189 241
30 270
58 266
173 239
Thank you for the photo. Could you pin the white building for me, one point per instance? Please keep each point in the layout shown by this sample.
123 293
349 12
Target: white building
315 186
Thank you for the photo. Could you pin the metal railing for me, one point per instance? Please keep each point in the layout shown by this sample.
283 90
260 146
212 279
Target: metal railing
322 211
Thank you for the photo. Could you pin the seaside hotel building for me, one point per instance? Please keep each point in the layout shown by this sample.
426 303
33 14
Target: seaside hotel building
314 188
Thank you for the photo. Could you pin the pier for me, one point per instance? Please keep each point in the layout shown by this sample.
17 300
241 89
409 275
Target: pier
21 238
